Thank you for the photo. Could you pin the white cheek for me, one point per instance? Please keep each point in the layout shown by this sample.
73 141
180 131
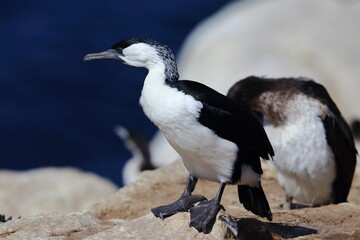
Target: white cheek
140 55
134 63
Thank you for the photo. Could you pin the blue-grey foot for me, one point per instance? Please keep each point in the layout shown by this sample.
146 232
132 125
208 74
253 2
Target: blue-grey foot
203 216
181 205
185 202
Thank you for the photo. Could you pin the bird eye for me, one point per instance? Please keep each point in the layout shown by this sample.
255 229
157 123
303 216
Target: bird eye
119 50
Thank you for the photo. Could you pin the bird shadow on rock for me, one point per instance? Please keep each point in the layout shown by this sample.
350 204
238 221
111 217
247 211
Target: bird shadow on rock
286 231
3 219
251 228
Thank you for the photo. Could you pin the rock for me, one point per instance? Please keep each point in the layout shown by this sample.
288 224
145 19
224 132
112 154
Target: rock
175 227
157 189
330 221
47 190
55 226
136 199
126 213
84 225
129 203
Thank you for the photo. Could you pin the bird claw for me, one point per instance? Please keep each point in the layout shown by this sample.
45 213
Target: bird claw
203 216
181 205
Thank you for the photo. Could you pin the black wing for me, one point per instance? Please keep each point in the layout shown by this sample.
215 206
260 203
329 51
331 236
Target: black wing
341 141
228 119
338 137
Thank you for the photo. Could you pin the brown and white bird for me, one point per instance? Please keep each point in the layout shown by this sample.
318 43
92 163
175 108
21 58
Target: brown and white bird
314 146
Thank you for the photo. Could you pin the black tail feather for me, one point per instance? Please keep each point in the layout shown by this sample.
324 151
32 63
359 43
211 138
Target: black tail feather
254 200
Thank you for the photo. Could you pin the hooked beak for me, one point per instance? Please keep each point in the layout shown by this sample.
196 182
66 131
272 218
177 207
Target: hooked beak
108 54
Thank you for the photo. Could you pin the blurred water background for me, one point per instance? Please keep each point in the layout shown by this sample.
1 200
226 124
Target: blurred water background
56 110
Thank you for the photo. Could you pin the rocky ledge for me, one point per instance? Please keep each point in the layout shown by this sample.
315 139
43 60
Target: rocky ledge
126 214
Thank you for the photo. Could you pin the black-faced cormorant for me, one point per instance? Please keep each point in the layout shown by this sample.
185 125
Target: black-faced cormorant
218 139
314 146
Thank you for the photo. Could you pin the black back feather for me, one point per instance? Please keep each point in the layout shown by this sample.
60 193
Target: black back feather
227 119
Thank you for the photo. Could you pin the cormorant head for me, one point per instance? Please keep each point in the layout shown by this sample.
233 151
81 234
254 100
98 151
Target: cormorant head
138 52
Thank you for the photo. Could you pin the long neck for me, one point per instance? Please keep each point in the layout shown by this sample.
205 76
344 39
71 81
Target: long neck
171 72
155 77
163 70
157 94
167 63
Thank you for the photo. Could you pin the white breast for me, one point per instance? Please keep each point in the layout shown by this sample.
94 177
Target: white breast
204 154
303 159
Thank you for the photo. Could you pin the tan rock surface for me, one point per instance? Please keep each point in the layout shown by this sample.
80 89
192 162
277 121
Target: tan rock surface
46 190
330 221
55 226
151 190
126 214
149 227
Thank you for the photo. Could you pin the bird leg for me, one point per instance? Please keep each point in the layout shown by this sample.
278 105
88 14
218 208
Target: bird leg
183 204
203 216
288 203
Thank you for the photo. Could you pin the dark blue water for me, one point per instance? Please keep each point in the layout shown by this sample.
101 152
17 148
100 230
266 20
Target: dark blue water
56 110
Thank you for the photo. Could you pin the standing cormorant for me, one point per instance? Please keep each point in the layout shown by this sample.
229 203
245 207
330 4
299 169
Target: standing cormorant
218 139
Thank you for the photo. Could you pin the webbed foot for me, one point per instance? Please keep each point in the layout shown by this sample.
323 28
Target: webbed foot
181 205
203 216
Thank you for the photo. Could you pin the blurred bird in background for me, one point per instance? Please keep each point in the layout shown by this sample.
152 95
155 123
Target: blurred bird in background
315 154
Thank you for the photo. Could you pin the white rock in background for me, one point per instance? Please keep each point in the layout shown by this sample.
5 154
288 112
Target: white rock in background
278 38
47 190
